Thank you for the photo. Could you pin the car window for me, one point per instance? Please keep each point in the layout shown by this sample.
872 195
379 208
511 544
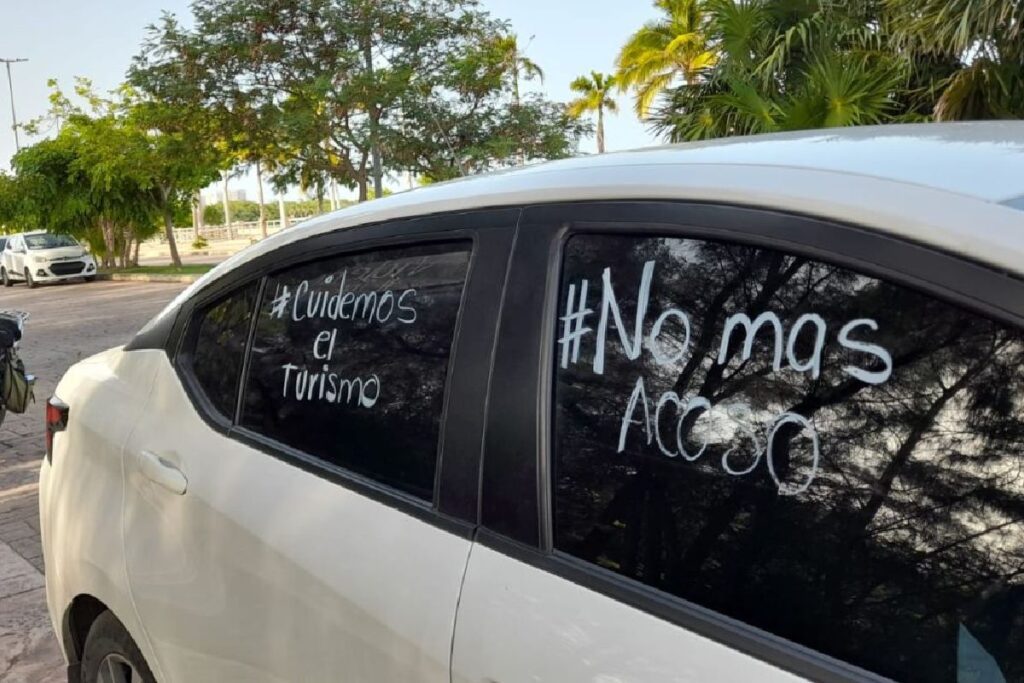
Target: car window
218 347
350 359
48 241
824 455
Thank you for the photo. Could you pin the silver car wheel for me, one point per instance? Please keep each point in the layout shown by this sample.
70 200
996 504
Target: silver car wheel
116 669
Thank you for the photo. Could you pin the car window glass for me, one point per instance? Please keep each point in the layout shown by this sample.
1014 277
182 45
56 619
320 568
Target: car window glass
219 347
48 241
827 456
350 359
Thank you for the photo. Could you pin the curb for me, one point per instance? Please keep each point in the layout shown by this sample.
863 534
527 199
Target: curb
143 277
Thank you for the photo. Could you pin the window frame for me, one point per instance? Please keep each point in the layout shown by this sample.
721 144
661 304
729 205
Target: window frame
488 235
524 531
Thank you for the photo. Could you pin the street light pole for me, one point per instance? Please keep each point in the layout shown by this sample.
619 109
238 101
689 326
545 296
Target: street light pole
10 87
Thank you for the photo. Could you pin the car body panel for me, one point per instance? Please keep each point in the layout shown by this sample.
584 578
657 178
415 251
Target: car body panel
267 572
520 623
80 492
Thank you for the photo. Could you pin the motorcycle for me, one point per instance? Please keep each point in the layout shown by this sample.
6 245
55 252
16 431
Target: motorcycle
16 386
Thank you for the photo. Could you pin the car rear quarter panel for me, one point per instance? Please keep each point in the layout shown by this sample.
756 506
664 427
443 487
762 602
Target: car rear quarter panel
81 487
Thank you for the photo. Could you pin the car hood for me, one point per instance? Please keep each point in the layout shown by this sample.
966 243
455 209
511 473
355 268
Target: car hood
58 253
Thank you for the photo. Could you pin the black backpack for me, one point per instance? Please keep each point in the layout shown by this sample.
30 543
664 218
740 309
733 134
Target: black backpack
15 386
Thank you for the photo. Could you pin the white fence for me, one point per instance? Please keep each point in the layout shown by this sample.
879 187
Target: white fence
235 231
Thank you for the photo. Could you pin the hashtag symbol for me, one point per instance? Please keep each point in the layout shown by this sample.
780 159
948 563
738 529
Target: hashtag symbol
280 301
573 331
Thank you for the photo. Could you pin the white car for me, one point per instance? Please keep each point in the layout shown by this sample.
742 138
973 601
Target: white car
746 410
39 257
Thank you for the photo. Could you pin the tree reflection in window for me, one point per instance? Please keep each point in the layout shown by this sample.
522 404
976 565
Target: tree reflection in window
220 346
912 529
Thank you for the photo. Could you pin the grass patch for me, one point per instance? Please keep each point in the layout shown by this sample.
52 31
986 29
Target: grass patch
187 269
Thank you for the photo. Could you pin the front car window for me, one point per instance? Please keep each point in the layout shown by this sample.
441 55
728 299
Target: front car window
829 457
350 357
49 241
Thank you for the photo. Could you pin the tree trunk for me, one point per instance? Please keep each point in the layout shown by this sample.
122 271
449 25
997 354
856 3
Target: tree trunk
196 215
600 130
169 227
109 242
259 197
520 153
227 205
374 112
135 258
126 254
200 214
282 212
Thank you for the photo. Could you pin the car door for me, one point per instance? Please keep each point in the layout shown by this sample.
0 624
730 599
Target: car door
16 255
733 445
300 495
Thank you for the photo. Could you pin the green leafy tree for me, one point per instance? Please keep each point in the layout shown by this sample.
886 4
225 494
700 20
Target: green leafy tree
784 67
349 90
595 96
983 39
118 167
672 48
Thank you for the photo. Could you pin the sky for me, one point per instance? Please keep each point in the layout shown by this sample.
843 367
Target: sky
98 38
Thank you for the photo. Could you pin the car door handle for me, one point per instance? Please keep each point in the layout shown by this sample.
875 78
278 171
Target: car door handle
161 472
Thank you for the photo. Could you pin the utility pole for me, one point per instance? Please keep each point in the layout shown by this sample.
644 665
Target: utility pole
10 87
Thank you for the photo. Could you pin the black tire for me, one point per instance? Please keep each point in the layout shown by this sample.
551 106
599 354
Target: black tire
3 276
28 279
89 278
108 641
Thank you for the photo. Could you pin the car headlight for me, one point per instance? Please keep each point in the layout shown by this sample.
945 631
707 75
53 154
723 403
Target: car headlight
38 259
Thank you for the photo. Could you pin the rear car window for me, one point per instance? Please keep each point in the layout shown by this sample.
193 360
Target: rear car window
829 457
218 347
350 357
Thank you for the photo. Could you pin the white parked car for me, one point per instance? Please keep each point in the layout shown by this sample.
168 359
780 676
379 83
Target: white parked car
39 257
745 410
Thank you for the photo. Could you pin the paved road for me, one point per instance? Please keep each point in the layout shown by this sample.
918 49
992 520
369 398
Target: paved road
69 322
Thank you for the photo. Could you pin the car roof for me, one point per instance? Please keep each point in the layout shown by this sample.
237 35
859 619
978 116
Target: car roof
980 159
954 186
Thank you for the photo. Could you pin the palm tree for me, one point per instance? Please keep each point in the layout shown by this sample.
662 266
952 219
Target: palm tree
822 66
666 50
595 95
985 40
516 64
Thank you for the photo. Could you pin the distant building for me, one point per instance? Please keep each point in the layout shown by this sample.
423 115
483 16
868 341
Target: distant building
233 195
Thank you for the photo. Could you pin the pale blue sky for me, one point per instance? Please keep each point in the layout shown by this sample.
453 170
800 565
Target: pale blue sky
97 39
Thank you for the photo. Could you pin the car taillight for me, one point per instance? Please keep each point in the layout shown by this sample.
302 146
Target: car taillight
56 421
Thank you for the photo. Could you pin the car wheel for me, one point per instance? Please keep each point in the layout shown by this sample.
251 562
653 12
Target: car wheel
3 275
111 656
28 279
89 278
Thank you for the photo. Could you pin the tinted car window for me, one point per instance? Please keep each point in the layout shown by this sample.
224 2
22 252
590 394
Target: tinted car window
219 347
350 359
827 456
